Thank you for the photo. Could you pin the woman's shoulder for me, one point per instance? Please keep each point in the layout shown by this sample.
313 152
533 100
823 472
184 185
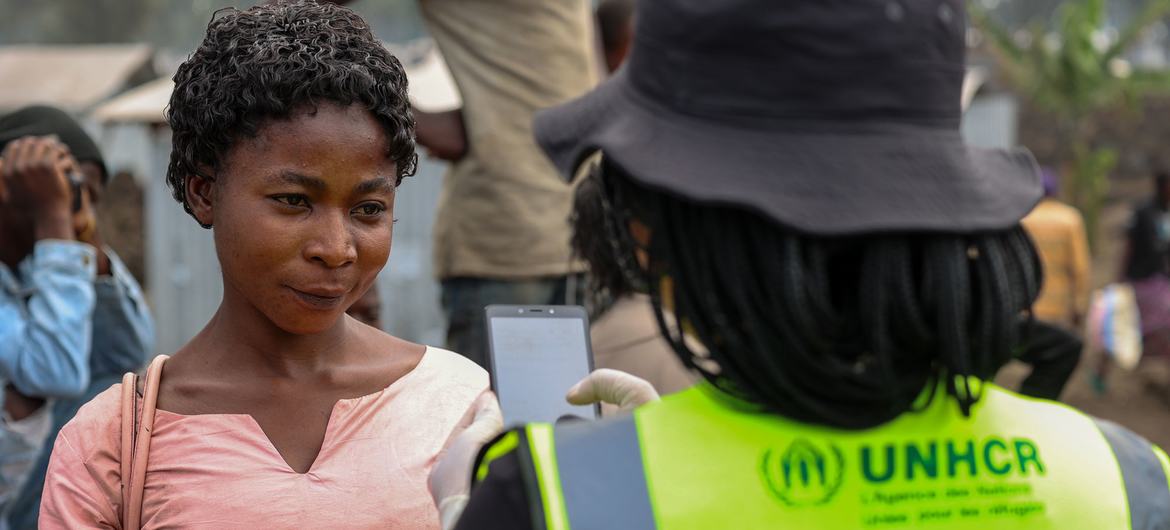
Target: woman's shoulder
434 402
443 387
96 428
449 369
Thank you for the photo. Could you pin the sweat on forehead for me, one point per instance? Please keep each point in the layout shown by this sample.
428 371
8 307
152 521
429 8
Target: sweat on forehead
268 62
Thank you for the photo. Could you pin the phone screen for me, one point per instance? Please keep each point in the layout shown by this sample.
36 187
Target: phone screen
537 355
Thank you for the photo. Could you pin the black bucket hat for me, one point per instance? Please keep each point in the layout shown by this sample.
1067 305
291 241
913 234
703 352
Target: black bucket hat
41 120
830 116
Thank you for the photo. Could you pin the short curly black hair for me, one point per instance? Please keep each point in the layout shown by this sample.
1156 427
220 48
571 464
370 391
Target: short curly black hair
270 60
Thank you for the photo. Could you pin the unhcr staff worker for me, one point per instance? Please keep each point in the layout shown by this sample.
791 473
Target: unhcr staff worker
292 133
856 273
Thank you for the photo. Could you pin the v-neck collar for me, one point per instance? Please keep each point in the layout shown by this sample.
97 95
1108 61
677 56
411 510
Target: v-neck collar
345 406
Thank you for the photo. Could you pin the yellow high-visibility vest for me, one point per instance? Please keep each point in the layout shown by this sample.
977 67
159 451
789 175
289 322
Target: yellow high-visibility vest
696 460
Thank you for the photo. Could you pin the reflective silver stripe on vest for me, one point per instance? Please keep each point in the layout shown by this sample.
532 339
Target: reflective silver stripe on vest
1145 480
602 477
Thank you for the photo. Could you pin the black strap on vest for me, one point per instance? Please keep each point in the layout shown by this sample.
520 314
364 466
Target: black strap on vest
602 477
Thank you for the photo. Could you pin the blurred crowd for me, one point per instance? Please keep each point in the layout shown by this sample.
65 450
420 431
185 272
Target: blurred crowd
512 229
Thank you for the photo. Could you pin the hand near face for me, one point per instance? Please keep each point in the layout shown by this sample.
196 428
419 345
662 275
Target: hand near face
34 174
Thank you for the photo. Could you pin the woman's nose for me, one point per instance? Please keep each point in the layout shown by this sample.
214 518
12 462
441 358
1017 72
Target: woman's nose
332 244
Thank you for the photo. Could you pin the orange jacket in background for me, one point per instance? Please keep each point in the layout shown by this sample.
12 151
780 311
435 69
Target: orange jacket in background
1059 232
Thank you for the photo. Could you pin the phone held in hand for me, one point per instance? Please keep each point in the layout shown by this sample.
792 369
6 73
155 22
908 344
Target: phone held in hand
536 353
76 182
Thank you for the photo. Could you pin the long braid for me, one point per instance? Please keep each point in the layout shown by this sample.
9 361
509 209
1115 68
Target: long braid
846 332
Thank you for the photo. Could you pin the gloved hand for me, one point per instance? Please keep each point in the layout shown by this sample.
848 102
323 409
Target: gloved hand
450 479
618 388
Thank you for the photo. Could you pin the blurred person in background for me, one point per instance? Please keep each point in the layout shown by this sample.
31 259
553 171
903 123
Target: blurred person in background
72 318
1147 268
501 235
856 273
624 333
1053 344
368 308
615 24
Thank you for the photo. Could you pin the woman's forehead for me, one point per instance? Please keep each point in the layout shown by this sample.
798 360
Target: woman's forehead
323 147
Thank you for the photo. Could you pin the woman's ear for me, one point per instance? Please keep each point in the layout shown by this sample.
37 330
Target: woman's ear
200 195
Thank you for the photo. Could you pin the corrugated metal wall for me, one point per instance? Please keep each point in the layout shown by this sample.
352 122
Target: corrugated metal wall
182 274
410 294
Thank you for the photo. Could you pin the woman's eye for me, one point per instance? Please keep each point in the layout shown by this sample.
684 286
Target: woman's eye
369 209
298 201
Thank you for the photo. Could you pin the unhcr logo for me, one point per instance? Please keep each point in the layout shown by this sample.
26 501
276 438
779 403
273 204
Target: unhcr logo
803 474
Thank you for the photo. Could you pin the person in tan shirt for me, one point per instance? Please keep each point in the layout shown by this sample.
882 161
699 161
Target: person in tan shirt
1054 345
1059 233
501 231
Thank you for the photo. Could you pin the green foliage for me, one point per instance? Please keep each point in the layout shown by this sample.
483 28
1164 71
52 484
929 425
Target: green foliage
1073 72
1088 175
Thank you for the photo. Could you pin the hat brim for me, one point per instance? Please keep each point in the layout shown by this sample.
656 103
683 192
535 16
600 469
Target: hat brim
822 181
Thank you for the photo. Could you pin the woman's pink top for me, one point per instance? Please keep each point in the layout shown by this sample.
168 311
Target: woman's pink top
221 471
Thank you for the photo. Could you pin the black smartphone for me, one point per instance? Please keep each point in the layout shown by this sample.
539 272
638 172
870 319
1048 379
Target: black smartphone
536 354
76 184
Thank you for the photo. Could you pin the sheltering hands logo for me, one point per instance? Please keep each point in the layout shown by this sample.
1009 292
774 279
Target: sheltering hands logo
805 473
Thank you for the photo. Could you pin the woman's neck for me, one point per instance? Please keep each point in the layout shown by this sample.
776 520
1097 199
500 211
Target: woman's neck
242 337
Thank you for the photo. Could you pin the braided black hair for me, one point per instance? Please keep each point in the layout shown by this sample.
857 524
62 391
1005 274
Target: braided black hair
840 331
268 61
592 241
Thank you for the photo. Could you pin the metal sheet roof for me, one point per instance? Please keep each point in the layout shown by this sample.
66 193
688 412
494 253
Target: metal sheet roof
143 104
71 77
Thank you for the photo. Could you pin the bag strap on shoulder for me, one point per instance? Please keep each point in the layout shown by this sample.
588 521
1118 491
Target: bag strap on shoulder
137 425
129 418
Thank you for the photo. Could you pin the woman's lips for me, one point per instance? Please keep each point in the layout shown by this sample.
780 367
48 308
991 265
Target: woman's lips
319 300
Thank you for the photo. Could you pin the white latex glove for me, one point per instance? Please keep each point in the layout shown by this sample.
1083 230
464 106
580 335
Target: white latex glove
618 388
450 479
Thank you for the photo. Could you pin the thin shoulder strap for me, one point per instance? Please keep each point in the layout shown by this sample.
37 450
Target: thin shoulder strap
139 443
129 419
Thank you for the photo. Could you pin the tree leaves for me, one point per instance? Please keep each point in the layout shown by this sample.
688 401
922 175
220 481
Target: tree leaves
1077 72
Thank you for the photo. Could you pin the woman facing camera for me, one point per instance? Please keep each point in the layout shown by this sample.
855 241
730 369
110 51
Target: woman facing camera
292 132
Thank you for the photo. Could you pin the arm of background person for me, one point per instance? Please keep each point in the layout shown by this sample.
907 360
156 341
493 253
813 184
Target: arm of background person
442 133
44 352
123 328
1132 234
